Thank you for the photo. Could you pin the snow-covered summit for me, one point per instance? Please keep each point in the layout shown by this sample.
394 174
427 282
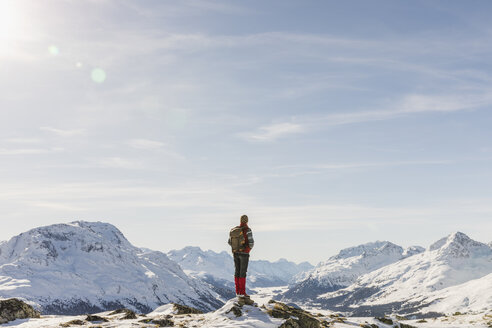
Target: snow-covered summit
367 250
45 243
459 245
89 266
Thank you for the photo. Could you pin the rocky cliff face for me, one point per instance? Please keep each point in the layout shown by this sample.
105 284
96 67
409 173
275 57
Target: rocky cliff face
85 267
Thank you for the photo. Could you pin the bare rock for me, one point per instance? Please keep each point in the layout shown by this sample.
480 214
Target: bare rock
76 322
163 322
129 314
236 309
183 309
293 315
13 308
95 318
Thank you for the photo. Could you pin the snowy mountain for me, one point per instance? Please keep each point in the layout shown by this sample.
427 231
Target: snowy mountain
343 269
85 267
420 281
472 296
218 269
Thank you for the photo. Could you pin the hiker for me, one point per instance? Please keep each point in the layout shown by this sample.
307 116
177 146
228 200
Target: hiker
241 241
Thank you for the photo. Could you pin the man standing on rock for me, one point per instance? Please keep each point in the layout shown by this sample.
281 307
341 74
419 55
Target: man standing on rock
241 241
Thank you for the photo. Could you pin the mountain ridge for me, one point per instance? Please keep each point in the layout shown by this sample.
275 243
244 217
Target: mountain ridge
342 269
412 283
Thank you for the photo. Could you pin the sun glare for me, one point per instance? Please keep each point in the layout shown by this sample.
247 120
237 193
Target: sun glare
10 19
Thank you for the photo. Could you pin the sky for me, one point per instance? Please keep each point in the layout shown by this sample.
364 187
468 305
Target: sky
329 123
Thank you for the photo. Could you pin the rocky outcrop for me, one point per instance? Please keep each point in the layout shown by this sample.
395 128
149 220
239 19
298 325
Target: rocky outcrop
13 308
183 309
295 317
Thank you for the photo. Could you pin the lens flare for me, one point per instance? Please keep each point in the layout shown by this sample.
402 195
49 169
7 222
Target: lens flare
98 75
53 50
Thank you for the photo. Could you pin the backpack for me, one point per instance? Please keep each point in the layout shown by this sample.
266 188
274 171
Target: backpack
237 239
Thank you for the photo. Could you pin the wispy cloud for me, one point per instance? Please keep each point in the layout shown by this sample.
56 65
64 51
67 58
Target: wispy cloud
274 131
344 166
120 163
29 151
23 140
64 132
408 105
145 144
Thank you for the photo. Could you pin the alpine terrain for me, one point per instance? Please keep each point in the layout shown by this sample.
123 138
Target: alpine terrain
218 269
85 267
343 269
444 277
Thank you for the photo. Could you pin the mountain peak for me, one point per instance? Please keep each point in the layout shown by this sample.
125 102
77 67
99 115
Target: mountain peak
368 249
72 267
453 238
459 245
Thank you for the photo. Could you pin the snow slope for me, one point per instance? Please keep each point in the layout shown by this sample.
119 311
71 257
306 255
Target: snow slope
343 269
472 296
412 283
85 267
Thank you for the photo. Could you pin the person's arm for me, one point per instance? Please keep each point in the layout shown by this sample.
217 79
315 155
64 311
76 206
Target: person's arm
251 241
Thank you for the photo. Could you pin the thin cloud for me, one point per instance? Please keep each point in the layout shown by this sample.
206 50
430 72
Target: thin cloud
274 131
29 151
120 163
145 144
343 166
63 132
23 140
407 105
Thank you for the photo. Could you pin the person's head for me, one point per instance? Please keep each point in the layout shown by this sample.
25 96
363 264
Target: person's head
244 219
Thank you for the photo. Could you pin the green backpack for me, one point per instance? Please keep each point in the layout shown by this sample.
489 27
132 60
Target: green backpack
237 239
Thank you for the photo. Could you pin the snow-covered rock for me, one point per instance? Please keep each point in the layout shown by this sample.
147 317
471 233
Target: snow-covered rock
343 269
412 283
85 267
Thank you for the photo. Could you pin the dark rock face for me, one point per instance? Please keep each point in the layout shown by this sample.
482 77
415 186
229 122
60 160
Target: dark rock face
290 323
236 309
183 309
13 308
295 317
163 322
96 318
129 314
76 322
